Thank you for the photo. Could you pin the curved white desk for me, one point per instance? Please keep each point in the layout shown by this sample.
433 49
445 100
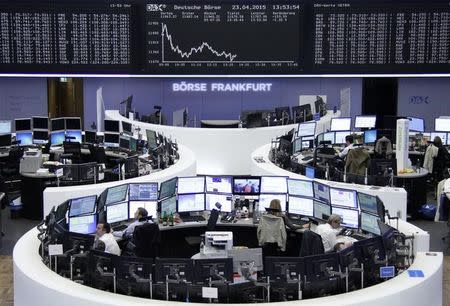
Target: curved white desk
35 284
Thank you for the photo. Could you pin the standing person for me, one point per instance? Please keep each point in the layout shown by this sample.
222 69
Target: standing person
140 217
348 146
104 235
328 233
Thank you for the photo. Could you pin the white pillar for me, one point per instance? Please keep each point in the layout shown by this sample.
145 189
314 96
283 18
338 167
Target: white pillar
401 150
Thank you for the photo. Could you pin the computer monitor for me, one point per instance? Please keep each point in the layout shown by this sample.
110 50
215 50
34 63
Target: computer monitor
150 206
297 145
303 188
57 124
350 217
116 194
151 139
86 224
82 206
117 212
57 138
442 135
216 269
321 210
78 241
40 137
127 128
306 129
124 142
329 136
442 124
191 202
5 127
40 123
74 136
321 192
168 205
192 184
367 249
284 268
25 138
143 191
318 266
307 142
380 167
370 136
367 203
343 197
90 137
112 126
301 206
111 140
225 201
218 184
265 199
339 137
73 123
416 124
179 269
365 122
130 271
369 223
5 140
341 124
168 188
133 144
23 124
246 185
273 184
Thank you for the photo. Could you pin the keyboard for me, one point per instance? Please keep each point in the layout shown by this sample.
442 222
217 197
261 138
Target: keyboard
299 221
120 227
193 219
358 236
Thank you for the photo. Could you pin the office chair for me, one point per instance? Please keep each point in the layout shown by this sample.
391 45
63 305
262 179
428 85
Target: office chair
311 244
11 165
74 149
383 148
271 232
147 239
356 165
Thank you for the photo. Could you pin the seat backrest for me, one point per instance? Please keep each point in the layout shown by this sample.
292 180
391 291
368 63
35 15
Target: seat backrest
72 148
147 238
357 161
311 244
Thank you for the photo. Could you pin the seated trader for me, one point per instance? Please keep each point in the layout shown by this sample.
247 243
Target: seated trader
348 146
104 235
140 217
328 232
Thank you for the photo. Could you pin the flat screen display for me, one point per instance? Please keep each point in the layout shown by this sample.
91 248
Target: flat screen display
124 142
301 206
58 124
273 184
116 194
23 124
416 124
5 127
350 217
150 206
321 192
143 192
111 140
443 136
306 129
368 203
40 137
168 188
322 210
328 136
442 124
297 145
112 126
370 136
224 200
343 197
57 138
194 184
301 188
265 199
73 123
117 212
310 172
218 184
339 137
90 137
40 123
25 138
246 185
76 134
191 202
83 224
169 205
82 206
369 223
341 124
127 128
365 122
151 139
5 140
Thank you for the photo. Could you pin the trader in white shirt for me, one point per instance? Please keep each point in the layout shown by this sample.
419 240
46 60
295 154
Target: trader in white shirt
348 146
328 232
140 217
104 234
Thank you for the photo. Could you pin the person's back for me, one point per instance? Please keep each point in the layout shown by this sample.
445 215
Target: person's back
271 229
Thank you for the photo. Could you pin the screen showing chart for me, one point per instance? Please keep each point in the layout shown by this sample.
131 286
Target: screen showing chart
343 197
350 217
117 212
365 122
191 202
300 188
83 224
144 192
322 192
369 223
341 124
301 206
223 199
306 129
116 194
194 184
265 199
81 206
368 203
219 184
224 37
322 210
168 205
273 184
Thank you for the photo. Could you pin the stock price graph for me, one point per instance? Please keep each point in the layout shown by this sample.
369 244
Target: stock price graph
223 38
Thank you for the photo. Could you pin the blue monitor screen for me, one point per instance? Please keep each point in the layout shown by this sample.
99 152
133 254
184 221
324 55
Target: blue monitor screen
416 124
25 138
74 133
350 217
83 224
144 192
5 127
310 172
57 138
370 136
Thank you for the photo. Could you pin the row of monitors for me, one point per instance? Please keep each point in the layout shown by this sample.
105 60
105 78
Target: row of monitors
445 137
41 123
113 126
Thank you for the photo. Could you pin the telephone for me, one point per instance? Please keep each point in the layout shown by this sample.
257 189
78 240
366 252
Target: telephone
345 232
228 217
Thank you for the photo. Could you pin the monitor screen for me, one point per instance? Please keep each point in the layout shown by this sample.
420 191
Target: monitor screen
76 134
306 129
350 217
82 206
265 199
40 137
370 136
329 136
301 206
340 137
151 139
73 123
191 202
273 184
416 124
111 140
369 223
193 184
322 210
168 205
297 145
117 212
443 136
368 203
116 194
343 197
5 127
112 126
150 206
133 144
224 199
365 122
90 137
23 124
168 188
301 188
83 224
284 268
341 124
25 138
219 184
207 268
321 192
40 123
58 124
442 124
124 142
143 192
57 138
5 140
127 128
249 185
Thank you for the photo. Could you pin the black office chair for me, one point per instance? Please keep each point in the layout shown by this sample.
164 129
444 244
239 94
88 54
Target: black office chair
212 221
74 150
147 239
311 244
11 166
